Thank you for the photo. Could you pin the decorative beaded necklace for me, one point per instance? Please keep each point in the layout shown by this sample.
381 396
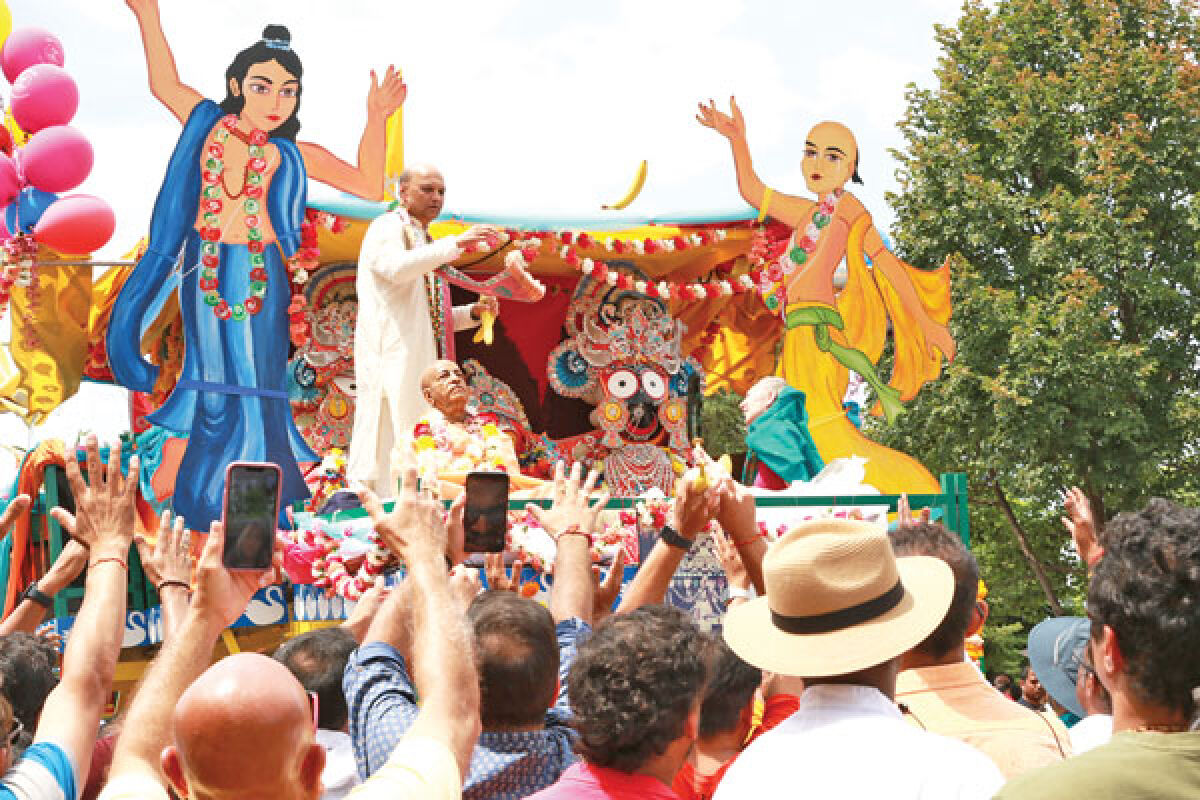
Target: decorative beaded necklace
210 234
807 243
774 289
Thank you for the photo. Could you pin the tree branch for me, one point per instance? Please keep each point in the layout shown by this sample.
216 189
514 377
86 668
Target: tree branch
1039 572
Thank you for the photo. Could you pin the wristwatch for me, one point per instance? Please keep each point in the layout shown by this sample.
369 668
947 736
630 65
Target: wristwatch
32 592
673 538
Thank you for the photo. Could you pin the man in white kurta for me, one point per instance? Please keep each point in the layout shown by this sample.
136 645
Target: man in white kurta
394 340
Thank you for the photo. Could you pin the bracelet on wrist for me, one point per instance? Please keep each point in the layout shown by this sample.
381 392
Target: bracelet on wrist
166 584
34 593
110 559
575 529
673 538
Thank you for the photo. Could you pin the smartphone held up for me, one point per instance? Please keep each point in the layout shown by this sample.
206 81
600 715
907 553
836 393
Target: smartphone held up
485 516
251 514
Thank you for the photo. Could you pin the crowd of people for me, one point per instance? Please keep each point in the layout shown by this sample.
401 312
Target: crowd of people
840 670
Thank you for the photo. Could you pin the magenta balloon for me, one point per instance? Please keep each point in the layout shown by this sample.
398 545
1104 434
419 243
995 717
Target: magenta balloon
76 224
26 47
44 95
56 159
10 182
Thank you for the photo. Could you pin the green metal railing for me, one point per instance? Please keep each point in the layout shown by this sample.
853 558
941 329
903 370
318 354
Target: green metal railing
951 502
951 505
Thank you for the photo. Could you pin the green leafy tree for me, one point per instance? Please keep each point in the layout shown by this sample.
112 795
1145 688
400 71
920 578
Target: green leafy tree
1055 163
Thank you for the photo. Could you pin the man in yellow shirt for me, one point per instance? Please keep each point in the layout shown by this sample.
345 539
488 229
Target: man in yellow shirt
943 692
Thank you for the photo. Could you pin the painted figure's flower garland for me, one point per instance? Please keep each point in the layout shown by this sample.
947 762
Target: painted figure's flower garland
210 233
774 288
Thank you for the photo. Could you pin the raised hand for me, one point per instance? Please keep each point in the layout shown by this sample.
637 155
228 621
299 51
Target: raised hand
731 562
498 578
1082 525
105 519
905 517
387 95
464 585
415 526
66 568
731 126
222 595
19 505
481 236
170 559
571 511
605 590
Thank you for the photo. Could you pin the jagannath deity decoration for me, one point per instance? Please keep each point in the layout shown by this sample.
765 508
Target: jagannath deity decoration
623 355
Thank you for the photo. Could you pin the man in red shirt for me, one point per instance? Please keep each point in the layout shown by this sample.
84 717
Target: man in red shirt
635 690
727 719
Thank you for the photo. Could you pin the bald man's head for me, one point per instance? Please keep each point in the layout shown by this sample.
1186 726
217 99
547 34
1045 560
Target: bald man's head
245 724
445 388
422 190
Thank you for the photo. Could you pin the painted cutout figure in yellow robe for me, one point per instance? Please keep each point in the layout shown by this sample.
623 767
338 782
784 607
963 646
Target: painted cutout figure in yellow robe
829 332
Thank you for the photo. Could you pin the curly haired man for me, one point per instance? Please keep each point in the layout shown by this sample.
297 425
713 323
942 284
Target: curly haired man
635 689
1145 648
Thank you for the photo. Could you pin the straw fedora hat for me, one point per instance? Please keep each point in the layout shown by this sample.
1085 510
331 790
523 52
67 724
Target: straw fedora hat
838 601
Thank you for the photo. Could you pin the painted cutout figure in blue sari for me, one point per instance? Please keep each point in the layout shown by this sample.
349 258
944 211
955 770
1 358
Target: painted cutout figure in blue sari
227 217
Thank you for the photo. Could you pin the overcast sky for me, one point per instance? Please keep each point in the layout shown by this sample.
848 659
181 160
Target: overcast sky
539 107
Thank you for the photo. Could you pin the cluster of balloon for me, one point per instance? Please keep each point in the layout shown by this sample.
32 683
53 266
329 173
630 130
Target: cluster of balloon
41 155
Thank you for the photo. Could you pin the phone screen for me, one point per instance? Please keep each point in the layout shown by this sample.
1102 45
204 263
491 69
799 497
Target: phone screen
485 518
251 514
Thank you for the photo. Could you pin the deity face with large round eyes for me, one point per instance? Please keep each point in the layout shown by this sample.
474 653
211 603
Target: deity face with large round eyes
830 157
271 94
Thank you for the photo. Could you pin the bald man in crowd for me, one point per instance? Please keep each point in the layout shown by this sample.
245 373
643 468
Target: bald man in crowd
404 315
244 727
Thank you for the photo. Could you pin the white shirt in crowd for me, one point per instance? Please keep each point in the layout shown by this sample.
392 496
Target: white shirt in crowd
1091 732
341 773
852 742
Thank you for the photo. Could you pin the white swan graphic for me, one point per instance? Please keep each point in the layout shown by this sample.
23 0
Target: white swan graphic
267 607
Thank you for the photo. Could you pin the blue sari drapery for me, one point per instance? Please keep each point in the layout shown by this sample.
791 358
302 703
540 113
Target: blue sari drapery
231 399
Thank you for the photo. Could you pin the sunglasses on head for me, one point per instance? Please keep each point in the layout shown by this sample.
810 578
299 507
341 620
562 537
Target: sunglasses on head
15 733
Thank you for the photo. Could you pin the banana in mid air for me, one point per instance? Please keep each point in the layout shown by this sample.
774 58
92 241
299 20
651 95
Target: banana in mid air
639 180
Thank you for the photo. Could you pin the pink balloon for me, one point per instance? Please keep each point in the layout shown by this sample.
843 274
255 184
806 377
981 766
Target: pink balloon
10 182
26 47
4 234
44 95
77 224
56 159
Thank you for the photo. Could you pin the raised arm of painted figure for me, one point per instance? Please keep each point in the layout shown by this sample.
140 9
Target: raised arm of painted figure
178 97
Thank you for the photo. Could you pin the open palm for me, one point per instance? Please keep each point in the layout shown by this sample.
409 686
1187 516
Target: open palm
731 125
387 95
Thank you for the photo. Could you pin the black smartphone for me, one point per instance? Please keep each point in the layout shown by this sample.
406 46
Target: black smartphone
251 514
485 518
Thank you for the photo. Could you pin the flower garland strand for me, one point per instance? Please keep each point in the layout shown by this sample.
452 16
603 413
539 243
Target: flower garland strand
774 287
210 234
570 244
307 259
